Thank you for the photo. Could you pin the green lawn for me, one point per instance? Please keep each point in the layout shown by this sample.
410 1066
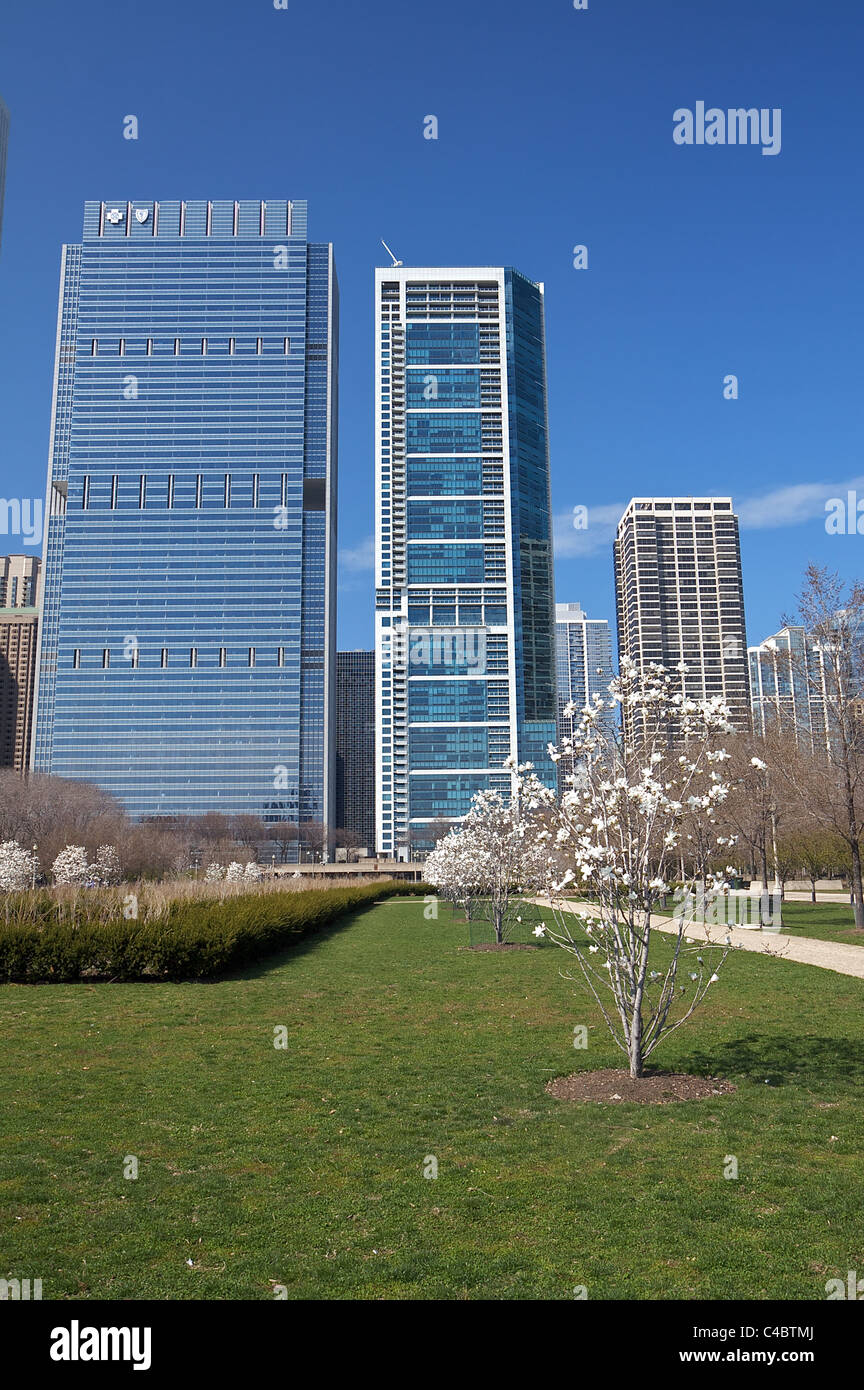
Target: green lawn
304 1167
827 921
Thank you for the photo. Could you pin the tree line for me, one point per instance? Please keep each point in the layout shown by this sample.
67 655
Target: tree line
47 814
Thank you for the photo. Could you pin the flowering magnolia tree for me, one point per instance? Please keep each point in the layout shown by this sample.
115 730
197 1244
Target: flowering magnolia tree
494 857
234 872
71 865
214 873
253 873
617 832
447 869
107 866
18 867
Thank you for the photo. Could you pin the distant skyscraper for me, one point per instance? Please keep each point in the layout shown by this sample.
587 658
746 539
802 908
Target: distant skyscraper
19 619
355 745
4 146
464 631
187 650
583 658
680 595
19 581
788 687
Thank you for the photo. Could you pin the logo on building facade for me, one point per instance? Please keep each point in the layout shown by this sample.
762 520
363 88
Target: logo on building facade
141 214
114 216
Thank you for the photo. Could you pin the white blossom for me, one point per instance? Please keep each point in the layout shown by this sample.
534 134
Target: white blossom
497 853
106 868
18 867
630 798
71 865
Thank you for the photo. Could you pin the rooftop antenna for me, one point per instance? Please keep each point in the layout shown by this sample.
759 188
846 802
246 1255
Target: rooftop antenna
390 254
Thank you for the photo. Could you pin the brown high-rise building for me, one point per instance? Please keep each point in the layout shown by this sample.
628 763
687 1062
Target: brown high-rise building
355 745
19 620
680 595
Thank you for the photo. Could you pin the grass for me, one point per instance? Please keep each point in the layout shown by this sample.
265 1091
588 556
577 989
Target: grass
827 921
303 1167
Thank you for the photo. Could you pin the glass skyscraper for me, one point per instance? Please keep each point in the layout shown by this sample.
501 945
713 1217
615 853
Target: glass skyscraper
187 651
465 674
789 688
583 658
4 145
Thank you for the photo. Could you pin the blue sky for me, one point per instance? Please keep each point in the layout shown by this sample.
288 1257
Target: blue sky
555 129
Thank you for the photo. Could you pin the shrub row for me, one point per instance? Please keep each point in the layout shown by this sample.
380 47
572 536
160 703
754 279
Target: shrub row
415 890
193 940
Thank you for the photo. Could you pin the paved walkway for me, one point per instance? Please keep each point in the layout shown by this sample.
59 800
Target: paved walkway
795 896
829 955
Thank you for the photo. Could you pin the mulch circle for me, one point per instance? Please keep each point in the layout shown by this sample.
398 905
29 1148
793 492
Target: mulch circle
503 946
658 1088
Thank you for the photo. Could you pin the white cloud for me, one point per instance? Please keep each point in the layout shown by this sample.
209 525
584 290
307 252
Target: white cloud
784 506
790 506
597 535
358 557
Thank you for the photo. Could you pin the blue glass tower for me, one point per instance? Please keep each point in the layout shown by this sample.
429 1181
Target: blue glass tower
583 658
465 664
187 656
4 143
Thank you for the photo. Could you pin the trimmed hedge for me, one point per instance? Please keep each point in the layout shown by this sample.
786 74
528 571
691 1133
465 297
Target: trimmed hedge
192 941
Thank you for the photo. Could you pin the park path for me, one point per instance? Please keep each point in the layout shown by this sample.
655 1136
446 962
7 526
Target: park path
828 955
794 896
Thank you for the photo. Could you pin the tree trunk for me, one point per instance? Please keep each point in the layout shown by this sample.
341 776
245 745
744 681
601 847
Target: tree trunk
635 1041
774 848
499 926
763 865
635 1048
856 886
